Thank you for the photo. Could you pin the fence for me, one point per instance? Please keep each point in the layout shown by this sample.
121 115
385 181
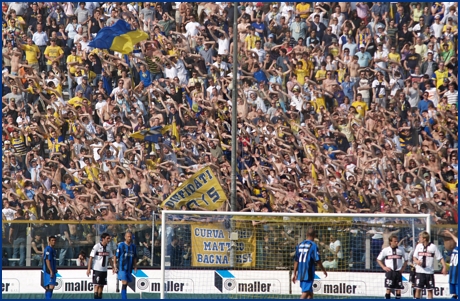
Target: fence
82 235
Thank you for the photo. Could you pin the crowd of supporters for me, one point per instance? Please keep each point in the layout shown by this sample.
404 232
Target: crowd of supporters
342 107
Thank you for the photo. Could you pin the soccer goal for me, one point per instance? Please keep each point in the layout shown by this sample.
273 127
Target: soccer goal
232 255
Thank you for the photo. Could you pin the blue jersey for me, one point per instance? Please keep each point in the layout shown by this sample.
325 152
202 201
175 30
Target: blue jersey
126 255
49 254
306 254
453 270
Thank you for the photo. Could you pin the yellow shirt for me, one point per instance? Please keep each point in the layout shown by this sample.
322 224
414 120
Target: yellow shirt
440 76
19 145
320 102
56 118
53 52
334 51
452 186
321 74
443 107
58 88
30 88
417 13
18 20
92 172
394 57
76 101
451 45
321 208
20 190
71 59
361 107
307 65
454 28
31 53
301 73
91 75
52 141
172 52
152 164
72 126
251 41
303 7
341 74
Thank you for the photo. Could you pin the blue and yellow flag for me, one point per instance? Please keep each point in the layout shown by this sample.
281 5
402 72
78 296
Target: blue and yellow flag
119 37
173 129
202 189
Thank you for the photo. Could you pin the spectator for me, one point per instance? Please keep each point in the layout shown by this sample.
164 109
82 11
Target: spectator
335 247
82 259
38 246
17 237
175 252
157 253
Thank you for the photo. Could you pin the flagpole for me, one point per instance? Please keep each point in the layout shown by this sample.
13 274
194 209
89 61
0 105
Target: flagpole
234 127
234 106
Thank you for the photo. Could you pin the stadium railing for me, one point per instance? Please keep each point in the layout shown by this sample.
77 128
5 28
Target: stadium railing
86 233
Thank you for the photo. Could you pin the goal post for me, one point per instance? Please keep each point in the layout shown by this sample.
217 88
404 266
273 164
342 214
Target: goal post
232 255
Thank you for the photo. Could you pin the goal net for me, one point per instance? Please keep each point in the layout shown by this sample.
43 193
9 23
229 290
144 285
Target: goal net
246 255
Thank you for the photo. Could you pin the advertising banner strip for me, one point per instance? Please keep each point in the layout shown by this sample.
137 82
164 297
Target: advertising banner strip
273 283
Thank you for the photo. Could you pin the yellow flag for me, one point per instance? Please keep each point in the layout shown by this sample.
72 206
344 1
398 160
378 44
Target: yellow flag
124 43
313 173
202 189
173 128
166 128
175 131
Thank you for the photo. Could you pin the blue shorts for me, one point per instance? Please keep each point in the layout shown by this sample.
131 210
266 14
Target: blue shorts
48 280
453 289
306 286
125 276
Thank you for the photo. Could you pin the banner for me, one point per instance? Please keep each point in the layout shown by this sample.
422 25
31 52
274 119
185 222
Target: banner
276 283
202 189
211 246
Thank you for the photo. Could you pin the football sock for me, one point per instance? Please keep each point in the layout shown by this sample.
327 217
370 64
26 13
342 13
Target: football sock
48 293
123 291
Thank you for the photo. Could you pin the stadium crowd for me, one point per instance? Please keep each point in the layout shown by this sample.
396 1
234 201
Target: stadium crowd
342 107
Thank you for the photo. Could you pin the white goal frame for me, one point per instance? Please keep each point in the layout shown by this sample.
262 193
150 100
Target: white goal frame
165 213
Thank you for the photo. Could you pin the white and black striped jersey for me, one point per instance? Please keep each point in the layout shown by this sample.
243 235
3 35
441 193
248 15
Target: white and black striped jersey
393 258
101 257
426 256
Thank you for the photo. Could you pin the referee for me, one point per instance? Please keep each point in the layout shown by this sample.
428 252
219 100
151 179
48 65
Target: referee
392 260
101 255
